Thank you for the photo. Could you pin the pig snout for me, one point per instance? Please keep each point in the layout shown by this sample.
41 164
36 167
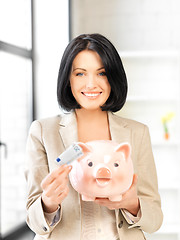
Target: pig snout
103 176
103 173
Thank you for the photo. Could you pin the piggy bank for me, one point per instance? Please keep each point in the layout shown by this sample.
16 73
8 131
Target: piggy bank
104 171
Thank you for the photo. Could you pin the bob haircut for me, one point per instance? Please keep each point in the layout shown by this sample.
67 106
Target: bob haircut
113 66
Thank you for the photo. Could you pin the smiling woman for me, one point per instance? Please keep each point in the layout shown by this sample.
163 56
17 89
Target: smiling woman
88 81
91 85
103 60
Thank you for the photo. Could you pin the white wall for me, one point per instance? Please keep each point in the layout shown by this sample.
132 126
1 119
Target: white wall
51 38
130 24
147 35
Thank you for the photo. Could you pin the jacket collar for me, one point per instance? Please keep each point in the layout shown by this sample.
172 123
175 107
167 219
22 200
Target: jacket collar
118 128
68 129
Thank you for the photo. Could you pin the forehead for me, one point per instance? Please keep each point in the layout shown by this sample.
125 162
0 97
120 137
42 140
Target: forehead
87 58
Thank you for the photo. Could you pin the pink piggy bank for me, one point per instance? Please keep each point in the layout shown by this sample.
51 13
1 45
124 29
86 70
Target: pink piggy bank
104 171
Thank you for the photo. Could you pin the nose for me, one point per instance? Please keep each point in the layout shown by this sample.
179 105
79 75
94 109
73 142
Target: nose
103 173
91 82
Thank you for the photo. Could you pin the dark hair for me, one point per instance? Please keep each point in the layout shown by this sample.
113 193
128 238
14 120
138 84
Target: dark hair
113 66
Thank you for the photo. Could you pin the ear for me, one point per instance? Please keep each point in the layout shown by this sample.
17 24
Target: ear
125 148
85 148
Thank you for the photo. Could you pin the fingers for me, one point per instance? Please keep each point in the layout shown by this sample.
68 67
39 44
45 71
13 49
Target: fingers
134 182
61 172
50 204
57 179
129 198
55 187
50 177
102 201
63 195
54 174
135 179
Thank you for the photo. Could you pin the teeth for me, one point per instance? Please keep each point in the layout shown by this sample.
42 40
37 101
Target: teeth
91 94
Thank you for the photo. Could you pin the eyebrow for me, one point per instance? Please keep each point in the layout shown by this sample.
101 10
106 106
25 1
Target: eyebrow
79 69
86 70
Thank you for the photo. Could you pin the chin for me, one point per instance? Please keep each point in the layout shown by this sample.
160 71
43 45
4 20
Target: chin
91 106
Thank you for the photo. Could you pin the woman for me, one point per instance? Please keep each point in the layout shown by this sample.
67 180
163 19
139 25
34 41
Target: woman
91 86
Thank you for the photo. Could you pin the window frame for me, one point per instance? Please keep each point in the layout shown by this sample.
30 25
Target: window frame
22 229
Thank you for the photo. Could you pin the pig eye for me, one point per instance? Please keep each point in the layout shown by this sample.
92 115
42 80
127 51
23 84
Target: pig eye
90 164
116 164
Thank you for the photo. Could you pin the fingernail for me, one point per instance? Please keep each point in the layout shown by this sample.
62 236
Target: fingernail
70 167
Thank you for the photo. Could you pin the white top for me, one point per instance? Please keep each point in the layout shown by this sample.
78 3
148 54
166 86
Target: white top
98 222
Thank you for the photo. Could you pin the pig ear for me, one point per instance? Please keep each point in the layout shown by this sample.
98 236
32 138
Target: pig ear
85 147
125 148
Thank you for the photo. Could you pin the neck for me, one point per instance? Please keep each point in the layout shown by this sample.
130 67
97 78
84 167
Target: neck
92 125
90 115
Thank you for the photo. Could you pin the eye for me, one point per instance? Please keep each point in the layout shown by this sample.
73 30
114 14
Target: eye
102 73
90 164
79 74
116 164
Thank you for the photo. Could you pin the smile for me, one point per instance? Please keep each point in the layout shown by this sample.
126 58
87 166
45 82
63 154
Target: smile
91 95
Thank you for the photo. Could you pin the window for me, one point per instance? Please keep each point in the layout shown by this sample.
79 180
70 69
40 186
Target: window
16 89
16 103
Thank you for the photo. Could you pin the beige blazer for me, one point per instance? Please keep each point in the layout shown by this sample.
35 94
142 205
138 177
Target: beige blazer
50 137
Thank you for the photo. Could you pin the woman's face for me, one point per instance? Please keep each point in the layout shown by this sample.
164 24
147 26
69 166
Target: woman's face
89 84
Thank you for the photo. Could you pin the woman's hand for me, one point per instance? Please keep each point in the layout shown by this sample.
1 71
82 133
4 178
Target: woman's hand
129 200
55 188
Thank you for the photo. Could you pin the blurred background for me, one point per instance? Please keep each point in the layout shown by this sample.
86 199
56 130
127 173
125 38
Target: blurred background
33 36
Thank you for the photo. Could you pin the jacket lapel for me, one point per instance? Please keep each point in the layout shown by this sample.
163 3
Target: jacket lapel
68 129
119 129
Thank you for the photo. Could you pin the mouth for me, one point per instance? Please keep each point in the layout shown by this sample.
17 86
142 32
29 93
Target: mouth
102 182
91 95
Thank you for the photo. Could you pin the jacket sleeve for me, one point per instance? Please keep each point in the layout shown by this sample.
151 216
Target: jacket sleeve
35 170
150 203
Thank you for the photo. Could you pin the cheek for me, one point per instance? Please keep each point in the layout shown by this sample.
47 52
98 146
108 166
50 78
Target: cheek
107 86
119 175
88 174
77 82
73 86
